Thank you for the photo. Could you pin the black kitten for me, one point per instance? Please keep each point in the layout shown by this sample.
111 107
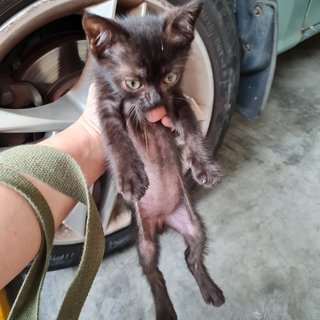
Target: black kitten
139 63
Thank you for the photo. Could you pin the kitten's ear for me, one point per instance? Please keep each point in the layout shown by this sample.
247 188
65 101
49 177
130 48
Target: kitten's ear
179 23
102 33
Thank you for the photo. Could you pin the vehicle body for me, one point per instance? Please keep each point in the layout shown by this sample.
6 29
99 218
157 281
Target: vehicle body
298 20
43 52
267 28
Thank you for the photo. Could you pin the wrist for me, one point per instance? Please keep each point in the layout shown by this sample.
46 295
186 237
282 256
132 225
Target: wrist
82 142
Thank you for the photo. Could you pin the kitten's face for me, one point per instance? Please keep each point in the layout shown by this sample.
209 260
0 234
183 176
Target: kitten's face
141 60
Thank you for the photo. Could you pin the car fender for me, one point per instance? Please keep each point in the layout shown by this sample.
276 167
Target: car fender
257 27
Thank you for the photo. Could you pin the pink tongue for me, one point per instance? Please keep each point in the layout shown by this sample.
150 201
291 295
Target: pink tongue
156 114
160 113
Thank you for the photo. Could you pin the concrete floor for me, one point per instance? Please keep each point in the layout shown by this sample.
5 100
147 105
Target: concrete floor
263 221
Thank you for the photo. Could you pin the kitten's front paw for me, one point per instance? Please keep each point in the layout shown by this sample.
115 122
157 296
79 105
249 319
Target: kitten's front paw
206 174
133 181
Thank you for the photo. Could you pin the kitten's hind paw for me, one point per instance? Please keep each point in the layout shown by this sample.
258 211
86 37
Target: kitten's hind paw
213 295
207 175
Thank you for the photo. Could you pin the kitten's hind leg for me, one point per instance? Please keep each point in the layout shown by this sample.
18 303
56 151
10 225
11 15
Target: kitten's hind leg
187 222
148 251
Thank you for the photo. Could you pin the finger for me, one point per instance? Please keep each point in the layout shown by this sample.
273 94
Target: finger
166 121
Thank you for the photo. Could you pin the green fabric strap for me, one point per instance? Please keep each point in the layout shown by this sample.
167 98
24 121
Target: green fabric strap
33 282
60 171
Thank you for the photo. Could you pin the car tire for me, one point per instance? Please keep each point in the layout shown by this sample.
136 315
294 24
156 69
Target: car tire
217 28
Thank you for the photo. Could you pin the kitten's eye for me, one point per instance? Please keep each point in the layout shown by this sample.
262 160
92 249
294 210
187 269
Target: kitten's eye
170 78
133 84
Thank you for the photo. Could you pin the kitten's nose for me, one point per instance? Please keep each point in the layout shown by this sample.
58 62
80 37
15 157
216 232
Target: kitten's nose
155 99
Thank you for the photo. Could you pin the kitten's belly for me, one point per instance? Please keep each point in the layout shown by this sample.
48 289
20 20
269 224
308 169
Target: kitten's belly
162 165
163 194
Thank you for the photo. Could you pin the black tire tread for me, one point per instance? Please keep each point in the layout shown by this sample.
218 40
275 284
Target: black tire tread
226 67
9 7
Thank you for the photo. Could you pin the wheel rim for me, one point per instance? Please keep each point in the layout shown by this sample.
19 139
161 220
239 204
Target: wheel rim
197 83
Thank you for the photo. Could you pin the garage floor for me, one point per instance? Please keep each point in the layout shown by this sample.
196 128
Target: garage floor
263 221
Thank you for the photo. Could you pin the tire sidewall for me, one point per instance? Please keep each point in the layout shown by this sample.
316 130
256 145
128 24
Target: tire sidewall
217 28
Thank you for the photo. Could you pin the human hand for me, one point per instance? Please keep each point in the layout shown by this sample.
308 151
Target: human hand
90 116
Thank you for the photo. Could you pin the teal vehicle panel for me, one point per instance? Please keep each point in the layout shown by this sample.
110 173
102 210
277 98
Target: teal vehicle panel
312 15
291 18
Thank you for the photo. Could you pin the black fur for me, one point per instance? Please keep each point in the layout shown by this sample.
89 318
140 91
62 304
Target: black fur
144 157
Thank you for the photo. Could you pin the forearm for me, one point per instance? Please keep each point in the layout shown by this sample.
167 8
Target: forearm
20 233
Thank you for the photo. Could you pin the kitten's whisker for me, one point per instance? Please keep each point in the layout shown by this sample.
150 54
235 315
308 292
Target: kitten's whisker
133 117
146 139
180 99
179 65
